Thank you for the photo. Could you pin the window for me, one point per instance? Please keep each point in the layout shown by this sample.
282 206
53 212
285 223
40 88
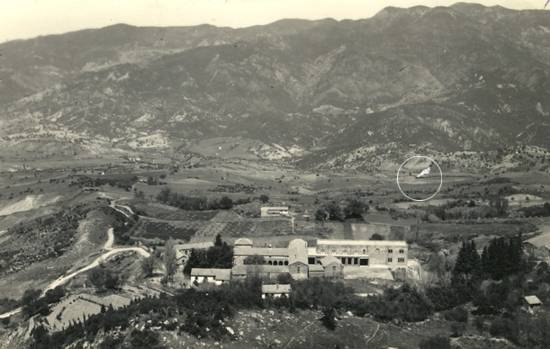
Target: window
390 259
355 260
286 262
390 250
401 251
401 260
364 251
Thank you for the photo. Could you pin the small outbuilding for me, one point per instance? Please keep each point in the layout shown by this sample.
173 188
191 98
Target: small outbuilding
532 301
213 275
275 291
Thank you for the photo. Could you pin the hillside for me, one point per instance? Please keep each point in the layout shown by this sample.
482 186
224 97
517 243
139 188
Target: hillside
449 79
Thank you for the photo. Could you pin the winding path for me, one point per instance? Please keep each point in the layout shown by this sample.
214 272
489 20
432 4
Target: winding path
110 251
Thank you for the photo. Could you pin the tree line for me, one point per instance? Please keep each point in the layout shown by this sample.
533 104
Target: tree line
193 203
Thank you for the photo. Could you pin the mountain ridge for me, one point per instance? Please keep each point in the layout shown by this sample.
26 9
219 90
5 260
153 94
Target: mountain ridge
456 78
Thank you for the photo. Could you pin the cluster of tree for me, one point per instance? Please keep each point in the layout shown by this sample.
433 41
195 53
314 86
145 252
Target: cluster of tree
218 256
205 314
124 182
469 210
522 329
405 303
103 279
33 302
169 260
195 203
475 276
333 211
536 211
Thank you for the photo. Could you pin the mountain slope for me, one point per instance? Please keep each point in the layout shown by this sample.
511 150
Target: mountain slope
464 77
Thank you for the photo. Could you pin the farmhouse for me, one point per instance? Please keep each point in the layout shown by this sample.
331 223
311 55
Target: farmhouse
274 211
216 276
275 291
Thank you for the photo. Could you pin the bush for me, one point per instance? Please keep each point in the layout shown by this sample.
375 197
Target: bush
103 279
437 342
458 314
329 318
503 327
32 303
53 296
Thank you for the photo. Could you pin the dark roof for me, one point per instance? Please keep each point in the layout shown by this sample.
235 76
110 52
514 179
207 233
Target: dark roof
218 274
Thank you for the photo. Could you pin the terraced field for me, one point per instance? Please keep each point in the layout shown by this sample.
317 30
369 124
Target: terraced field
163 230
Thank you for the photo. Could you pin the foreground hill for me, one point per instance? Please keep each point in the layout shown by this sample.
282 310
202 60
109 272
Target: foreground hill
459 78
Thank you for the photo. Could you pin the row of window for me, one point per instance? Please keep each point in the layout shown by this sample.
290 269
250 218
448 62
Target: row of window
399 260
364 251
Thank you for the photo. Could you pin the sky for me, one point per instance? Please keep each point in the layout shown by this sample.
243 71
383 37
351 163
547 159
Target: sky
29 18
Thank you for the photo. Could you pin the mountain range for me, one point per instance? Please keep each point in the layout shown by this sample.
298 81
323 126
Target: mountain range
444 79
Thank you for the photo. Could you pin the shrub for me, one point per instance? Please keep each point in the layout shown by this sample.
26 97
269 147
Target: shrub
437 342
457 314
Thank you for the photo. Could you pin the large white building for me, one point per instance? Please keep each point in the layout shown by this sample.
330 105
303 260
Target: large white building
362 253
278 211
327 258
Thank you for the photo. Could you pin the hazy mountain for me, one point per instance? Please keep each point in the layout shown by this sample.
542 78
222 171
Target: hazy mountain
464 77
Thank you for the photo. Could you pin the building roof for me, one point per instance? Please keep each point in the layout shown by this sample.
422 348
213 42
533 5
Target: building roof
329 260
297 251
194 245
244 269
316 267
274 208
278 288
262 251
398 243
243 242
532 300
218 274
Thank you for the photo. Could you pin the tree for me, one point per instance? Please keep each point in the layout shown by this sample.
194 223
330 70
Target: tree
355 209
437 342
169 259
264 198
147 266
225 203
103 279
377 236
335 212
321 215
32 303
53 296
41 338
329 318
